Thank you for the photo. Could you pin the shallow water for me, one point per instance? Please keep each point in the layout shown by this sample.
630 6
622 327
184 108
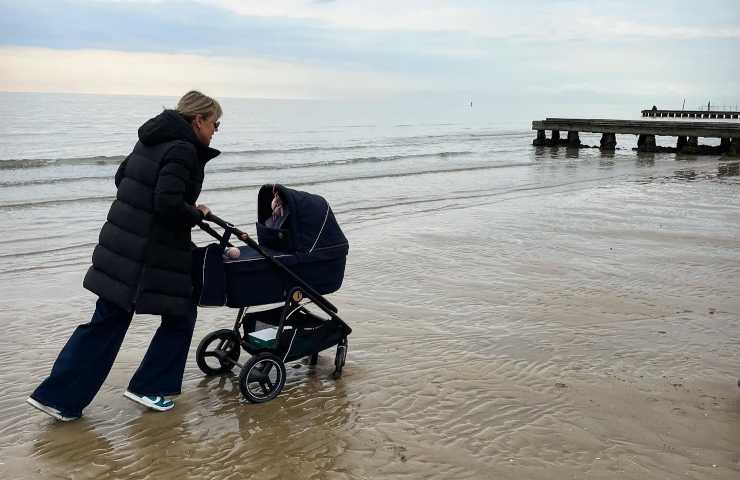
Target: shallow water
518 312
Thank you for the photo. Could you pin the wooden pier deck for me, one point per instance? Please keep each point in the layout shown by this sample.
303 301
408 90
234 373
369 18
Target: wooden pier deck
687 133
719 114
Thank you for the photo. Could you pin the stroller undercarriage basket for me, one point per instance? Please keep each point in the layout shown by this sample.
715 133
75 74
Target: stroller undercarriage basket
296 262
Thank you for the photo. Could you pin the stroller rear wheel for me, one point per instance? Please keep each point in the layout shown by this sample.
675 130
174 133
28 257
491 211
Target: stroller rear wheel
218 352
262 377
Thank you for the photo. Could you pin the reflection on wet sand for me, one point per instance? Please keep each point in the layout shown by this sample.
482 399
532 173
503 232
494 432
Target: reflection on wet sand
685 174
731 169
645 159
76 449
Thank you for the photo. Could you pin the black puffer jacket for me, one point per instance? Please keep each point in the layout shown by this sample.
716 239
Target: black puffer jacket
142 260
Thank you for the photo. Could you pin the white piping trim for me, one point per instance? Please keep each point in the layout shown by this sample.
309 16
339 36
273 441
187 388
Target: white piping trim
256 259
294 310
322 229
203 282
203 276
295 331
328 247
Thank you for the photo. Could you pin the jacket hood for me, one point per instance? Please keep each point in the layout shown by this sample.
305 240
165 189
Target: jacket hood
170 125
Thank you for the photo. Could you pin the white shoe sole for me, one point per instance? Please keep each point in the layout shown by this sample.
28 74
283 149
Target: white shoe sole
52 412
146 402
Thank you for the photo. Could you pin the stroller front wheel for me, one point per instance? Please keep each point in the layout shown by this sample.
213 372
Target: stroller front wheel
340 358
262 377
218 352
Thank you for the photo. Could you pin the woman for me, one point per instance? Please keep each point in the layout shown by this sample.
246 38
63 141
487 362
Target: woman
142 265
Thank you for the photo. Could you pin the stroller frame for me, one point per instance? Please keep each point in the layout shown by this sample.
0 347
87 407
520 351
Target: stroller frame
263 376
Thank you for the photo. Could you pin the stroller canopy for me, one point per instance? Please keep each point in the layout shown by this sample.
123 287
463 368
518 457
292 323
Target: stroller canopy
310 225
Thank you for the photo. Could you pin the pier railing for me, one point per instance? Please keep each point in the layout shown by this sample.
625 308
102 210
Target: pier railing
719 113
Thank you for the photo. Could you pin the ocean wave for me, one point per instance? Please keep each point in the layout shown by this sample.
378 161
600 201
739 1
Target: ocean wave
299 184
52 181
56 201
296 184
344 161
387 142
264 151
21 163
215 168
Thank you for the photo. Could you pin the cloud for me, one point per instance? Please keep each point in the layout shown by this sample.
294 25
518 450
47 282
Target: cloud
497 19
628 29
116 72
553 20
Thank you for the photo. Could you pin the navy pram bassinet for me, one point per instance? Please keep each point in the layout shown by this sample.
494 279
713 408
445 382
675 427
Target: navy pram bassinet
308 241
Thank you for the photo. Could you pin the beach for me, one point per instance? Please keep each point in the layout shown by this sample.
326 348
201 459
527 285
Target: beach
517 311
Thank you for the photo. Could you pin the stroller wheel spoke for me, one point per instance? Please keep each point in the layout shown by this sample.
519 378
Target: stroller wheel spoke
267 386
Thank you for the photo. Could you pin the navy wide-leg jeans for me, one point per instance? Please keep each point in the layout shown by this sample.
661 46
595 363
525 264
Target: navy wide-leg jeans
85 361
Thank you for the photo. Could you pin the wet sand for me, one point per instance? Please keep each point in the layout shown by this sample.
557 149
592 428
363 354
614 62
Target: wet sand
584 330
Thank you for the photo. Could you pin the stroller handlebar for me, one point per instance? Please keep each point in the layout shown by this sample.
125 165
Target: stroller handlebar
210 217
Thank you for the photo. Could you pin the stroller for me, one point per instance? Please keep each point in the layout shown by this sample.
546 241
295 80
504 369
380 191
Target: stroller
300 257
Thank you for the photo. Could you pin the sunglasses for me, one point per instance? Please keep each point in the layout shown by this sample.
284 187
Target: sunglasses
215 124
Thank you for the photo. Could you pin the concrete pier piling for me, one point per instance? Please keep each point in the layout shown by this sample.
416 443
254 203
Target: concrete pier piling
680 142
608 142
646 143
734 149
692 145
573 140
541 139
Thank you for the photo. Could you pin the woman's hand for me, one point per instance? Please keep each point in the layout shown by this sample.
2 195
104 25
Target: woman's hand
204 209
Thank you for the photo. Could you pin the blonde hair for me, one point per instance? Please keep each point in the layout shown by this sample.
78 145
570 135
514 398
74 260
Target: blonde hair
195 103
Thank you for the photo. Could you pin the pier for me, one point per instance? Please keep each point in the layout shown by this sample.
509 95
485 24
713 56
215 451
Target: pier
687 134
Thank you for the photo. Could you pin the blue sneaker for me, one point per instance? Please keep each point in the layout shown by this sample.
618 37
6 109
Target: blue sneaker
157 403
52 412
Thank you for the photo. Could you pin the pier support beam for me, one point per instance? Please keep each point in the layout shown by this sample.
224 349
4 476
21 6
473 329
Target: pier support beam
541 139
724 144
646 143
573 140
734 147
680 143
608 142
692 145
555 138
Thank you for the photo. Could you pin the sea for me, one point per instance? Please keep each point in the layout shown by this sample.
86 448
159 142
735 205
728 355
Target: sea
518 311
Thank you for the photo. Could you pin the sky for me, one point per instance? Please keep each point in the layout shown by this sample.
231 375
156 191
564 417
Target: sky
513 51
